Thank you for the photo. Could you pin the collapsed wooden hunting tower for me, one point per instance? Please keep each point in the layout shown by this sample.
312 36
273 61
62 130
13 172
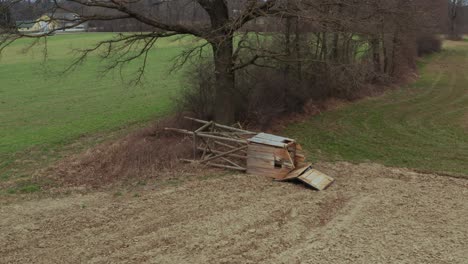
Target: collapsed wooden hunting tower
235 148
255 153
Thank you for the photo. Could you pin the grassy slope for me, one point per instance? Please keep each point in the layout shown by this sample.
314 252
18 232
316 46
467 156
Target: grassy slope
42 110
418 126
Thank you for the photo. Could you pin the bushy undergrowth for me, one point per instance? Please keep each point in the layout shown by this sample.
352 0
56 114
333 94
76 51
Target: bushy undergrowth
315 68
428 44
268 93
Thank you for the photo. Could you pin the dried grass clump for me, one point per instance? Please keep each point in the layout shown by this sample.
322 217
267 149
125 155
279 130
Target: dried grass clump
145 154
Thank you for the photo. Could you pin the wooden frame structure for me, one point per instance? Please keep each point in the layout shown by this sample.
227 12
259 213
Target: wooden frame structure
255 153
218 145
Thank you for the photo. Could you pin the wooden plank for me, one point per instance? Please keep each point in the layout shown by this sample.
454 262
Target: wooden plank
260 155
271 159
299 158
316 179
261 163
297 172
260 150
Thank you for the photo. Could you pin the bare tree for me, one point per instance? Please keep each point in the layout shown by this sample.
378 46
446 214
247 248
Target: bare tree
454 12
324 32
218 33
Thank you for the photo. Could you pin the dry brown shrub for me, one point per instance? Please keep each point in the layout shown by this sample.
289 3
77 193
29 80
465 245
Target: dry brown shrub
144 154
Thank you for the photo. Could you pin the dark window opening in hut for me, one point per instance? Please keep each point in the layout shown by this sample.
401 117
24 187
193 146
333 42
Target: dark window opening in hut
278 164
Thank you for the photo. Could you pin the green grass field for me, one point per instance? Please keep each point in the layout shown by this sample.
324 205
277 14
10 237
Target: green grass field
423 125
42 110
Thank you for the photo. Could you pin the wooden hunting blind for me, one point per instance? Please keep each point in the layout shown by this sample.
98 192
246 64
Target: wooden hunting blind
255 153
272 156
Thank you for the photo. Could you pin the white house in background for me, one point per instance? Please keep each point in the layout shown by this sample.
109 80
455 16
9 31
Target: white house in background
43 24
59 22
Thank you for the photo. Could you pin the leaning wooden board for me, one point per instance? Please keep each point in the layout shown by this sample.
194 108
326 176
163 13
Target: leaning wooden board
310 176
316 179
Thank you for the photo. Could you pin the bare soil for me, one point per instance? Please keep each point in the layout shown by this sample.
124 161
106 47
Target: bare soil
372 214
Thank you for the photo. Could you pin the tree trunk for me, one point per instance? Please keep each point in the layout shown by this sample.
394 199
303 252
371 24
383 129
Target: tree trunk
335 48
222 43
226 95
297 50
324 53
453 17
375 46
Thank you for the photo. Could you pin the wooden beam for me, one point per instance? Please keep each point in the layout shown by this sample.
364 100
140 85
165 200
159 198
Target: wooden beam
183 131
224 154
228 146
221 126
219 152
226 167
204 126
216 165
231 162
